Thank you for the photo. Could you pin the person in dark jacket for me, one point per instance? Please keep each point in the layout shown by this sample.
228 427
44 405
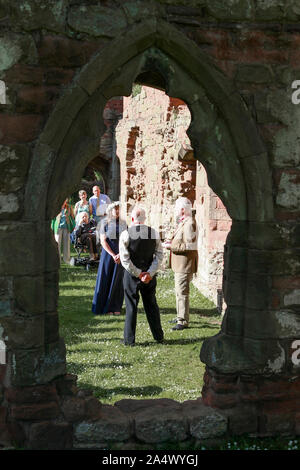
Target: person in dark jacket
141 256
86 233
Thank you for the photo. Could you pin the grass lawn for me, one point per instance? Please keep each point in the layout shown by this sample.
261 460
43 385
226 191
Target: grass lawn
149 370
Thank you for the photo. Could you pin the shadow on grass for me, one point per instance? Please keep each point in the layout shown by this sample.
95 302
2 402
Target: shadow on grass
129 392
79 367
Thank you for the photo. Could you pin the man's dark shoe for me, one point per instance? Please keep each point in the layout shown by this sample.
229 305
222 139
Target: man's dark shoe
173 321
126 344
179 327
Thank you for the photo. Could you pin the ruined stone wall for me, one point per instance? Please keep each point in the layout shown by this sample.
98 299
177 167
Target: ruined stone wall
150 139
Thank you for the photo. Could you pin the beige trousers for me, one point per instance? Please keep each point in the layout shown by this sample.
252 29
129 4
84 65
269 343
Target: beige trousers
182 292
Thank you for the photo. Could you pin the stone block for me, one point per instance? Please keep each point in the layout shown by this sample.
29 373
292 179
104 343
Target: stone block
254 73
73 409
34 412
24 332
14 162
204 422
103 64
34 395
279 324
32 14
113 426
234 288
258 291
16 48
233 321
59 51
25 74
36 99
18 129
66 385
49 435
25 250
97 20
51 327
29 294
51 291
65 111
267 354
161 423
231 10
289 191
53 363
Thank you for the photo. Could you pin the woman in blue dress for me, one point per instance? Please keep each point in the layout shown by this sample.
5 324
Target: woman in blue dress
109 292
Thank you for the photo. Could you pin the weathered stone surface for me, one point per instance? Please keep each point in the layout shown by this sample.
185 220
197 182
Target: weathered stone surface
96 20
292 298
204 422
38 394
16 48
231 10
29 294
113 426
254 74
139 10
36 99
50 436
59 51
21 128
271 324
167 423
14 161
9 205
33 14
51 327
32 412
73 409
24 332
289 191
23 249
66 385
267 355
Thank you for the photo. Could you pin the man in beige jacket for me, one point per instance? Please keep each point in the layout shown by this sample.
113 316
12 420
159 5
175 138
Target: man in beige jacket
184 259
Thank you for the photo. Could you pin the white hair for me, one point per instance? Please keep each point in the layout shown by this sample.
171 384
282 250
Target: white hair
138 214
183 203
80 216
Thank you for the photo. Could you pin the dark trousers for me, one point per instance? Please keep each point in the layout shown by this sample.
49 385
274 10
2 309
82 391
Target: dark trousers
132 287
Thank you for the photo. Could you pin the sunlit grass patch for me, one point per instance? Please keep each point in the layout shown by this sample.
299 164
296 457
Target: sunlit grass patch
149 370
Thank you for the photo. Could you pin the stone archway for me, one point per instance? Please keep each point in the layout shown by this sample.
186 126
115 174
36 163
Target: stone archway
222 133
224 139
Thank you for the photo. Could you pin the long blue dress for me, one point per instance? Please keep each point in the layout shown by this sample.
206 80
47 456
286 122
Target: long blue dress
109 291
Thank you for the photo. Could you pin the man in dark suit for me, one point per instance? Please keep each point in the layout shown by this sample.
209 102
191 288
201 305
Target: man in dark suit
141 255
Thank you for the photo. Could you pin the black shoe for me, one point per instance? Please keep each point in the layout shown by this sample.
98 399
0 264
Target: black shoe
179 327
173 321
126 344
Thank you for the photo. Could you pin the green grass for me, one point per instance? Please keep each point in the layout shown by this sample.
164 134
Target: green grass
149 370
